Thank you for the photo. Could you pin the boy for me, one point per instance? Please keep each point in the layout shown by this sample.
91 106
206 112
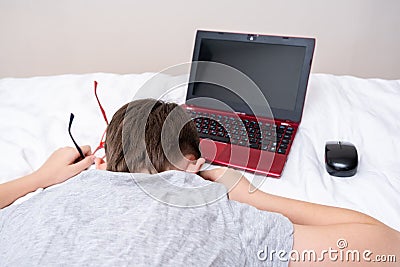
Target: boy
123 216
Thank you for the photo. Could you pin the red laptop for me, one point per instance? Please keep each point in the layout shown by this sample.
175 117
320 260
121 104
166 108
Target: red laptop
246 95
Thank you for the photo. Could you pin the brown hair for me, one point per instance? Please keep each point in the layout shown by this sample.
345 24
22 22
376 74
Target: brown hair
134 136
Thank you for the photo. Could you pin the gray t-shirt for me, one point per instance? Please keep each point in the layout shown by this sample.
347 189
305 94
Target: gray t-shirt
101 218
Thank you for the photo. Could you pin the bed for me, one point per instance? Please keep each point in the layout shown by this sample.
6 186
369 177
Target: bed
35 113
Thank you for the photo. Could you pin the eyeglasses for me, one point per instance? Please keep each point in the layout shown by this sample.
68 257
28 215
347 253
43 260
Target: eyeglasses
103 137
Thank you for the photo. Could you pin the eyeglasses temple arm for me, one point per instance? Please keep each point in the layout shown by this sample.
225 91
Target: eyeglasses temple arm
98 101
71 118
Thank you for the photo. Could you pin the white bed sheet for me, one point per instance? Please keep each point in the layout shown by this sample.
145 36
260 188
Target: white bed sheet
34 114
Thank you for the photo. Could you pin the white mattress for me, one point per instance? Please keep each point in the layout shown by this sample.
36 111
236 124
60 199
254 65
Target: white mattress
34 114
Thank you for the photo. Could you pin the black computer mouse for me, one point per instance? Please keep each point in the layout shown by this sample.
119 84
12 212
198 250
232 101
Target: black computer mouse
341 158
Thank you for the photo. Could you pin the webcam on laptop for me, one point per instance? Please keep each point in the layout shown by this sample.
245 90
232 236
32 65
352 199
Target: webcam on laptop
252 37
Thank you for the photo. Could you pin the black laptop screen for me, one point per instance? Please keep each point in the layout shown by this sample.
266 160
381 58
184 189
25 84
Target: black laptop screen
276 68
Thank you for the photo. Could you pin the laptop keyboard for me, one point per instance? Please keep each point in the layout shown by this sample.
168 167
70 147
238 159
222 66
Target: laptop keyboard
243 132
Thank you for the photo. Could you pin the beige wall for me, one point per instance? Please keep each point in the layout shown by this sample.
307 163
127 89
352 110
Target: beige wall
45 37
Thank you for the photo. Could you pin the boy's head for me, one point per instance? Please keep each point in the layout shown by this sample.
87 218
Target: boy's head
152 136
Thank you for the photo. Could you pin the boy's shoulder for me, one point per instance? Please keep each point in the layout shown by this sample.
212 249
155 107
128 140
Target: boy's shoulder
181 189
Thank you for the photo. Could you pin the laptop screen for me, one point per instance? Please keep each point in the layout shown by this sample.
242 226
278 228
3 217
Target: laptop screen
279 66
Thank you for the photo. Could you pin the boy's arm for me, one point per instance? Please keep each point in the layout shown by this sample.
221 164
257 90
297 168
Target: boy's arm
17 188
318 228
58 167
299 212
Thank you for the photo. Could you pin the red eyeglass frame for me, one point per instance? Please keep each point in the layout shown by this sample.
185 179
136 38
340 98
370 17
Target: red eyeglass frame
102 140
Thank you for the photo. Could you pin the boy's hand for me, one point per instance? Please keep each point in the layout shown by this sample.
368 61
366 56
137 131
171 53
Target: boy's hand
238 186
60 166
